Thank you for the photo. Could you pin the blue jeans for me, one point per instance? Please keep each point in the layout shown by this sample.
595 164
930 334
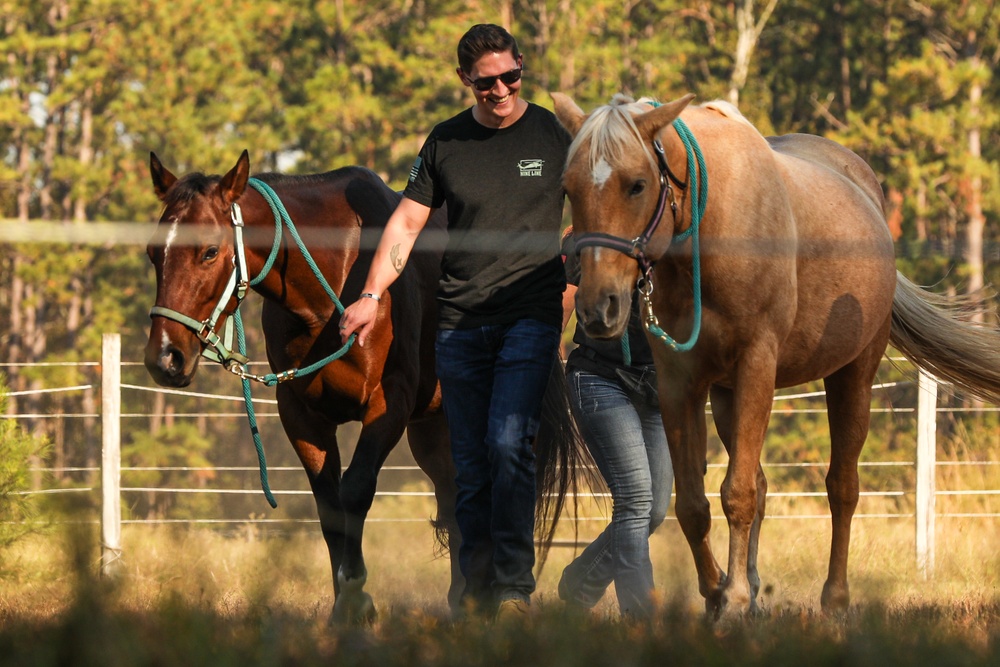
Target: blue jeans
624 433
493 379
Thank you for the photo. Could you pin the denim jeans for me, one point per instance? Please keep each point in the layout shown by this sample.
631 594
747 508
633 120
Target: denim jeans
493 379
624 433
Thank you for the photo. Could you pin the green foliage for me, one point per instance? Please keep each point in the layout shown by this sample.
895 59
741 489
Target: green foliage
19 451
89 88
178 447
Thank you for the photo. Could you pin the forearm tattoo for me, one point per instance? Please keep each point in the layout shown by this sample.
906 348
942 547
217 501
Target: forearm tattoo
397 259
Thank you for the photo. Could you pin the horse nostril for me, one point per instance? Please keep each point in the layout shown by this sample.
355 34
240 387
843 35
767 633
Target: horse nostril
172 361
611 309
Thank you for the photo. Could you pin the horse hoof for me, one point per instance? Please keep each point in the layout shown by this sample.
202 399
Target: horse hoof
835 599
353 605
714 605
729 608
356 609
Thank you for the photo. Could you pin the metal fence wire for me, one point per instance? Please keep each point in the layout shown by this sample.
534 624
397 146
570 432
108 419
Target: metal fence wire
211 480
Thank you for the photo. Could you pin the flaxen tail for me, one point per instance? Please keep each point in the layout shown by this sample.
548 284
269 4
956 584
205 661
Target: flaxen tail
934 332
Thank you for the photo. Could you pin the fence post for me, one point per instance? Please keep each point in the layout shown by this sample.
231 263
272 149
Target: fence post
926 459
111 394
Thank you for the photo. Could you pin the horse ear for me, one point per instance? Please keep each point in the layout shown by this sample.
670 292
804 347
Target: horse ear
651 122
233 184
569 114
161 176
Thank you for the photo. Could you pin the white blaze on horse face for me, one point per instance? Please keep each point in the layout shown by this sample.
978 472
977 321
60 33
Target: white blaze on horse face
602 172
171 236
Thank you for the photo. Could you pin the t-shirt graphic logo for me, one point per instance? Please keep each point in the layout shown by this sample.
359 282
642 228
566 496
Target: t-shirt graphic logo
530 167
415 169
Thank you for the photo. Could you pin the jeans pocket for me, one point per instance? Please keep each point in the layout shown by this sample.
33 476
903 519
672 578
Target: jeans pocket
593 393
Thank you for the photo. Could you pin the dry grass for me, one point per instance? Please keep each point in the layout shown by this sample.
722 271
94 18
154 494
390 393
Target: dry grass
262 596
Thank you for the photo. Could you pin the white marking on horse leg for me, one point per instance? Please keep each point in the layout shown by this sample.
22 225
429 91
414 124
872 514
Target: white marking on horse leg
602 172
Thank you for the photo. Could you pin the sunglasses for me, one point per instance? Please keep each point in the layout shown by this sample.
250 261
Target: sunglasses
484 83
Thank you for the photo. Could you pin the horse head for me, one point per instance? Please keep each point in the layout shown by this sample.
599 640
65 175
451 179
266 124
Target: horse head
615 186
193 253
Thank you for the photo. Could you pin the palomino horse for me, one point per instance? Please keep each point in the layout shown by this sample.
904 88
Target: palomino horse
794 281
210 225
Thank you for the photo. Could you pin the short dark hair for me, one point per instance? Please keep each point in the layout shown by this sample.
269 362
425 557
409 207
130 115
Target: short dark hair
481 39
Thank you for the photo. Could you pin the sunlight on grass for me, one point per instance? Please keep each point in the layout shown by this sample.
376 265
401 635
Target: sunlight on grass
262 595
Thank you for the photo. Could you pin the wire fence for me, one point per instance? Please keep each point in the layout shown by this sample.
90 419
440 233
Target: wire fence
905 501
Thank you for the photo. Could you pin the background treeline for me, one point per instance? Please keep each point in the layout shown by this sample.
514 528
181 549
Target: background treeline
89 87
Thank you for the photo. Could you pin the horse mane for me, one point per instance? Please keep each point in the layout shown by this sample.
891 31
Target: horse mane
196 183
188 187
275 178
612 132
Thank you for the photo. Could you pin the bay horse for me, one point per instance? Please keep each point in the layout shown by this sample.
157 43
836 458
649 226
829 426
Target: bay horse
783 275
211 224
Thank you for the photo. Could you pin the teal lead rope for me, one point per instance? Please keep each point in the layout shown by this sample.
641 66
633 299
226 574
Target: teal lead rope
281 217
698 179
252 418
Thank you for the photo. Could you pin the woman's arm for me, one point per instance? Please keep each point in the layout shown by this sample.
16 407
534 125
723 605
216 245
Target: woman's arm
391 255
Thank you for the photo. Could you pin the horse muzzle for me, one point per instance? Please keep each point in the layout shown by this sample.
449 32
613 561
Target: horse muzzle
169 365
603 315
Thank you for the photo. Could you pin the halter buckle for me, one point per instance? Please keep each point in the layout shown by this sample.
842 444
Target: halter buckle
207 334
638 247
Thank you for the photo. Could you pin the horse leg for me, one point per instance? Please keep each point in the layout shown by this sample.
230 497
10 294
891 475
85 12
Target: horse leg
431 449
684 423
315 441
848 400
752 398
381 429
722 414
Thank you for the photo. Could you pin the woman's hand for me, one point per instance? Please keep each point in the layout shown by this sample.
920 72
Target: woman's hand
358 317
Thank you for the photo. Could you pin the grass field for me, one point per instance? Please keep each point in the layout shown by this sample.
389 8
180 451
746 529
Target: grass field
255 596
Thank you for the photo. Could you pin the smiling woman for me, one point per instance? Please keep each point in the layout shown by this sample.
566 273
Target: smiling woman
495 79
498 166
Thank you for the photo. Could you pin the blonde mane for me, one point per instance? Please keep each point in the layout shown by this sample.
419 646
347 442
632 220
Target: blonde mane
612 133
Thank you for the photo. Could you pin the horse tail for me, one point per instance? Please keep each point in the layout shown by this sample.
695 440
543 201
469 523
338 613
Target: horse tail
560 453
934 332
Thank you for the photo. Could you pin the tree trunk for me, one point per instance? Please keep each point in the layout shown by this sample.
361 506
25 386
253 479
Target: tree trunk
749 30
567 74
86 151
506 15
845 61
974 208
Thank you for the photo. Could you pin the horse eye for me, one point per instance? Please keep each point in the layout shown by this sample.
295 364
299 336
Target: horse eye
638 188
210 254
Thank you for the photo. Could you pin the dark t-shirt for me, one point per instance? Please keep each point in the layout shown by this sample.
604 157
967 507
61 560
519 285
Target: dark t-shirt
503 188
604 356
